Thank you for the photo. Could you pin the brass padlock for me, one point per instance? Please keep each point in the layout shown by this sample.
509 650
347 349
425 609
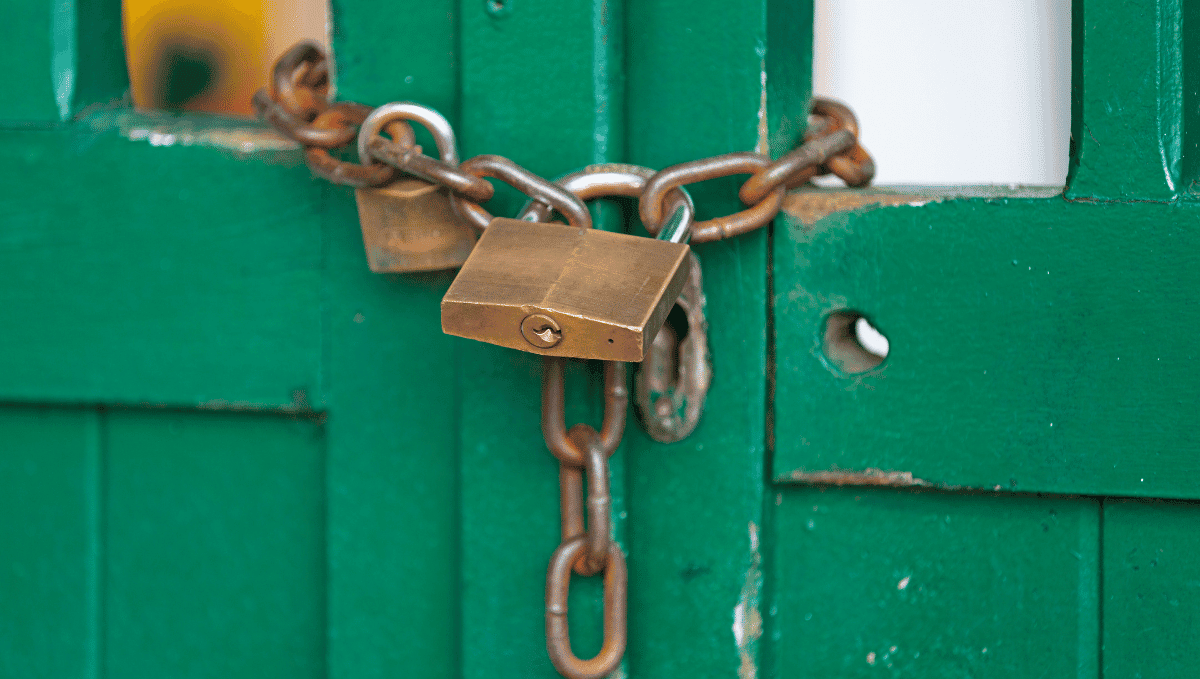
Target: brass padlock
560 290
409 225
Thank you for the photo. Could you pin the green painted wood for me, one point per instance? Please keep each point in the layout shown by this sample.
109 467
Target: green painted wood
49 543
883 582
215 546
393 400
1029 346
789 71
405 530
510 518
29 32
99 74
696 89
393 429
542 84
1190 30
163 274
1151 589
60 57
373 67
1128 100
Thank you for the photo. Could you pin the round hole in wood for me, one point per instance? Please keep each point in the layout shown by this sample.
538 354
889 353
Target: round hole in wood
852 344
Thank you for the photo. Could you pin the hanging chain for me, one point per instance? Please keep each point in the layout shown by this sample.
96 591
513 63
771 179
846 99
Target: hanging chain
587 550
297 105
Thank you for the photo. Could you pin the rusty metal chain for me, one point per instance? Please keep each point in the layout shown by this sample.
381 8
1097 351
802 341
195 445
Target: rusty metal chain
586 550
297 105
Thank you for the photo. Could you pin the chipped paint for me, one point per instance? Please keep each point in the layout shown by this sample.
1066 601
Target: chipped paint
166 129
810 204
866 477
761 146
747 621
299 405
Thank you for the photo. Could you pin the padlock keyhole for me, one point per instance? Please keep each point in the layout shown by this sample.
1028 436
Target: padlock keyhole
541 331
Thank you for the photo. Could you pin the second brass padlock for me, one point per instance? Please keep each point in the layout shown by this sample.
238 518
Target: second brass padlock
409 224
560 290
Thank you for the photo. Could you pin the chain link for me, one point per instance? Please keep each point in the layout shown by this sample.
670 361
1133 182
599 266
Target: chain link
650 207
554 429
499 167
300 80
297 105
340 117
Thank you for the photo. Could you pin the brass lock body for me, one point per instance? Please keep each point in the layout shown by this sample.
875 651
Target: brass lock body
558 290
409 225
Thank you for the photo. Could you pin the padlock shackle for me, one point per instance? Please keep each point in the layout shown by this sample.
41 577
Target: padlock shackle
606 180
438 126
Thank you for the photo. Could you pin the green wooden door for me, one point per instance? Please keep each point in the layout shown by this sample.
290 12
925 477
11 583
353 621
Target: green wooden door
227 449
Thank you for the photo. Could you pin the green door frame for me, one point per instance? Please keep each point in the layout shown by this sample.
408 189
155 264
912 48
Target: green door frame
234 450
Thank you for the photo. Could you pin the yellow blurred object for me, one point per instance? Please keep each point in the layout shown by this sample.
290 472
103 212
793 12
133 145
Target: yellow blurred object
211 55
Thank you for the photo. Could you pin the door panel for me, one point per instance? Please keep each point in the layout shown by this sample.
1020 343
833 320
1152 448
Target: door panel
215 546
151 543
1035 345
1128 115
880 581
1151 588
328 486
695 88
137 272
49 533
393 381
393 428
61 57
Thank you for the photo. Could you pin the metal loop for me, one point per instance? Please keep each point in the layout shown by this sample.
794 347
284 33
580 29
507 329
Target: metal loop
301 130
570 502
300 80
438 126
412 161
854 166
672 383
817 126
616 179
838 113
616 400
524 181
558 633
323 164
599 500
653 214
831 145
811 154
